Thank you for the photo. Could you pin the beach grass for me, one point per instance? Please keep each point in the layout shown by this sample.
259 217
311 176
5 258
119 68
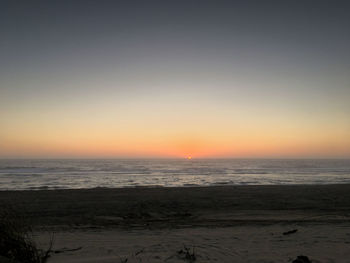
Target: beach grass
16 238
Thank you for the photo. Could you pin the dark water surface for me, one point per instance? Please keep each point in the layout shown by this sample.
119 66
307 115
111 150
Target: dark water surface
74 174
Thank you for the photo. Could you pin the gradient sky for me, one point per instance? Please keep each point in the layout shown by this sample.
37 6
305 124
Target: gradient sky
175 78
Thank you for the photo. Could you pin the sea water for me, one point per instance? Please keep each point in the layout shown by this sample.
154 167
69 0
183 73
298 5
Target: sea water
116 173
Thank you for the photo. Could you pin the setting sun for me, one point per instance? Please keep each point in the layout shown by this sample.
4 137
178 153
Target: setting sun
189 157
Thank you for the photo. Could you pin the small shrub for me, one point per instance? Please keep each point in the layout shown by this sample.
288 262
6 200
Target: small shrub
16 239
187 255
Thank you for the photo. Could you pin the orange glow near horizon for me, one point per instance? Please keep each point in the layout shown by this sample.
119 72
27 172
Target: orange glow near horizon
261 146
208 133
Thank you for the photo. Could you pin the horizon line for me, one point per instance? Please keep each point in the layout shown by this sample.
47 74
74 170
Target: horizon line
175 158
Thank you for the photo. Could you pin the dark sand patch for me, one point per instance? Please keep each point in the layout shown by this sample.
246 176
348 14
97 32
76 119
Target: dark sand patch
181 207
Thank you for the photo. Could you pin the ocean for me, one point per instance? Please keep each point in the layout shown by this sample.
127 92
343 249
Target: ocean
116 173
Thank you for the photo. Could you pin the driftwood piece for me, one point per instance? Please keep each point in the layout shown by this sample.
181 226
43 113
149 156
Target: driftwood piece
66 250
290 232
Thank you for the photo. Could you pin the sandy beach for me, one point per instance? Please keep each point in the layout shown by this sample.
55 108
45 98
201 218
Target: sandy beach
221 224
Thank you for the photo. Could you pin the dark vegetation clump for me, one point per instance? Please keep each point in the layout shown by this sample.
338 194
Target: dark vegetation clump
16 239
302 259
187 254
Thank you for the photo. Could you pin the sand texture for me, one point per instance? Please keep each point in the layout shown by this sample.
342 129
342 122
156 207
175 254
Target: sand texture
221 224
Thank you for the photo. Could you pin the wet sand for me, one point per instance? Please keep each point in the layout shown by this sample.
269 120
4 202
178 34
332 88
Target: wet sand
224 224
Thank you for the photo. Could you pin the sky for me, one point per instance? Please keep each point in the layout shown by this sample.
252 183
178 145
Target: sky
171 79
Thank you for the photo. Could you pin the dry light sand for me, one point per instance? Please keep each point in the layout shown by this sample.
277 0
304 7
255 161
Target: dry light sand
221 224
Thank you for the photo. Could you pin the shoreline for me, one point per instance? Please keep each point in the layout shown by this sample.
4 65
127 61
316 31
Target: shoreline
46 188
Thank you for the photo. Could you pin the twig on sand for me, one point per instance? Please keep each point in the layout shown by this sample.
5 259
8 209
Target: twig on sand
66 250
139 252
290 232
